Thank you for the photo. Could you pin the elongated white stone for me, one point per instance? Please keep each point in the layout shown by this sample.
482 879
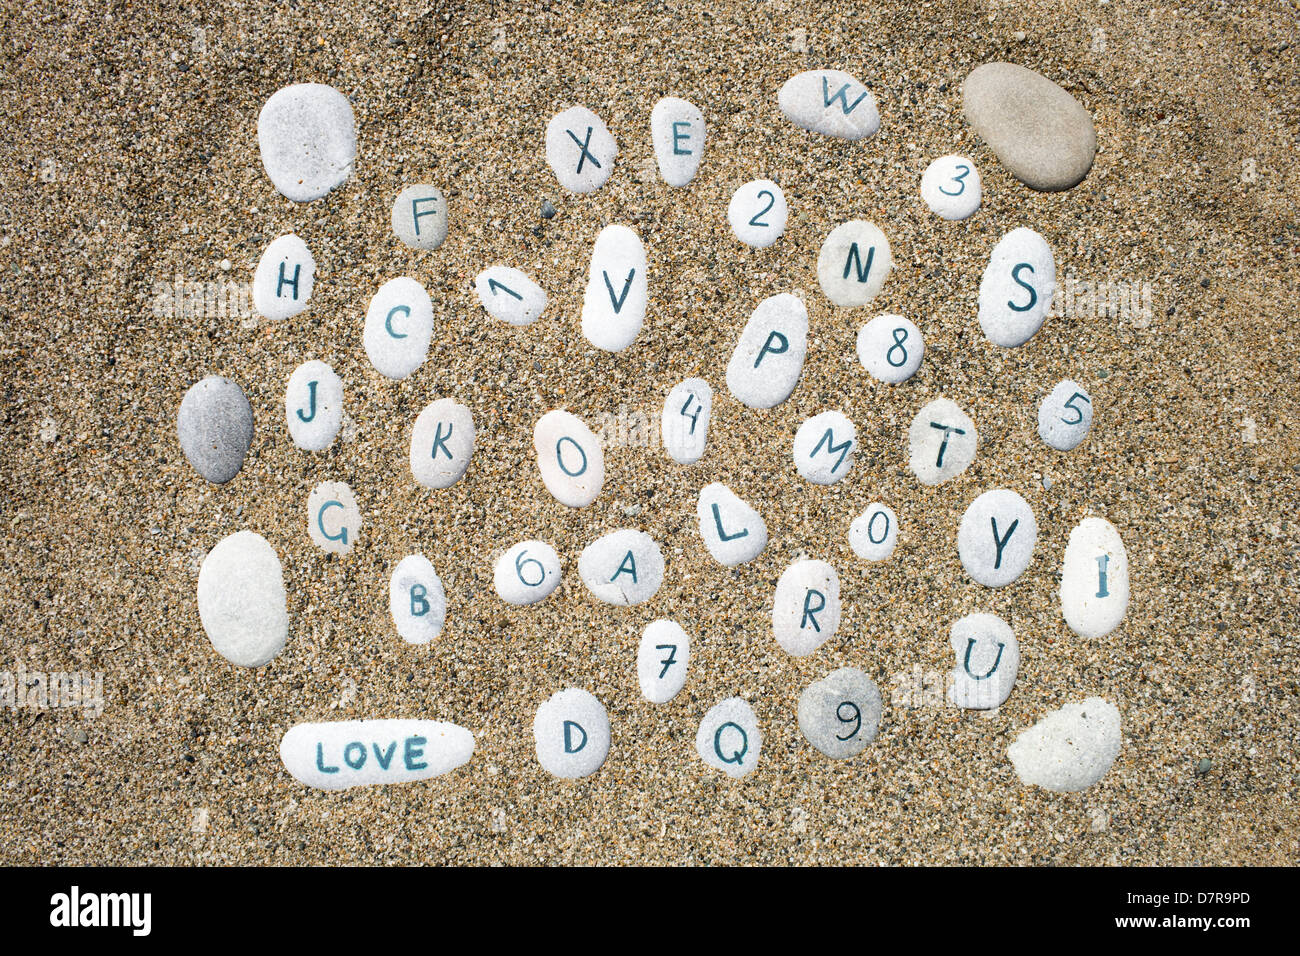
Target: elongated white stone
354 753
824 447
284 279
613 307
313 405
988 657
527 573
569 457
399 326
1071 748
509 295
1017 288
732 530
1094 579
678 132
806 609
623 567
831 102
416 600
768 358
854 262
242 601
684 424
662 660
442 443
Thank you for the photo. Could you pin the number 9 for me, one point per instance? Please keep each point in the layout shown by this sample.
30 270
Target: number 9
854 718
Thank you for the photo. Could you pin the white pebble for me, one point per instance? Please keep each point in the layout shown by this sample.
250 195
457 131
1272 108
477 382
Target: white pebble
420 216
416 600
308 140
684 424
241 599
853 263
623 567
1065 415
830 102
352 753
442 443
768 358
806 609
527 573
662 660
996 537
399 326
313 405
1071 748
677 130
283 280
333 518
988 657
733 531
941 442
729 739
890 348
824 447
613 307
580 149
571 730
758 213
509 295
1094 579
569 457
1017 288
951 187
873 535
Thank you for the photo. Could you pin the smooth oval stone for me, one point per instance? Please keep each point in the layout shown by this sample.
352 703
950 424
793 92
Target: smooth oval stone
853 263
1065 416
732 530
571 730
830 102
1017 288
313 405
1040 133
215 428
824 447
416 600
661 661
420 216
684 424
890 348
1094 579
399 326
677 130
768 358
442 443
339 754
806 610
988 657
941 442
509 295
241 599
613 307
840 714
729 739
569 457
284 278
1071 748
758 213
333 518
950 186
623 567
996 537
580 149
873 535
308 140
527 573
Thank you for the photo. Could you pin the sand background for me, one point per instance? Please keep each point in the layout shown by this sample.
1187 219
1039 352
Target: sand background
130 157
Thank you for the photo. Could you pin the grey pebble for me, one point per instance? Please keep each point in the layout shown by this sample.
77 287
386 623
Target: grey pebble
215 428
840 714
1203 766
548 211
80 735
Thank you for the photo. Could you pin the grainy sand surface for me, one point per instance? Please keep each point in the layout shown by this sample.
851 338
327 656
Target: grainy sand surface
130 157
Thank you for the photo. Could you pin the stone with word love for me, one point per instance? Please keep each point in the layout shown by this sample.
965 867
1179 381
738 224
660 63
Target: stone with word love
215 428
941 442
1071 748
677 130
758 213
613 307
768 358
416 600
308 140
824 447
950 186
284 278
623 567
806 609
890 348
1094 579
241 599
988 657
996 537
729 739
571 731
399 326
509 295
684 424
527 573
333 518
840 714
335 755
873 535
313 405
661 660
853 263
420 216
1017 288
1065 415
569 457
442 443
733 531
580 149
830 102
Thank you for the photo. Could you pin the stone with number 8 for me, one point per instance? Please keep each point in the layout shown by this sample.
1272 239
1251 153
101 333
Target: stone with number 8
890 348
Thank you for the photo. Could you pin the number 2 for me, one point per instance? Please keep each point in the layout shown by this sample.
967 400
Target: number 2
771 201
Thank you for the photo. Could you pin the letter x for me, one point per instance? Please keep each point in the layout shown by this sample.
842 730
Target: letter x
586 153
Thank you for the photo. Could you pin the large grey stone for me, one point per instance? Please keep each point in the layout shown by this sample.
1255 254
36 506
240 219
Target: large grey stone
215 428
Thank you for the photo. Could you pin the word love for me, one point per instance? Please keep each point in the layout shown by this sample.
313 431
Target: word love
355 753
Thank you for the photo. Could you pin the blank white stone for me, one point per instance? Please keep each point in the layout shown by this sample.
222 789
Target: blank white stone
890 348
399 326
824 447
509 295
941 442
313 405
580 149
853 263
662 660
442 443
352 753
241 599
420 216
1094 579
988 657
729 739
684 424
677 130
951 187
840 714
308 140
623 567
333 518
1071 748
1017 288
571 731
996 537
527 573
613 307
758 213
732 530
806 609
768 358
1065 416
569 457
873 535
416 600
830 102
284 278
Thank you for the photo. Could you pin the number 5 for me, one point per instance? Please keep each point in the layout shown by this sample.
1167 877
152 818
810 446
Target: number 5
1075 408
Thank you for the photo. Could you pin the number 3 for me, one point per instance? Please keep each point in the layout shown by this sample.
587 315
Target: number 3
965 171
